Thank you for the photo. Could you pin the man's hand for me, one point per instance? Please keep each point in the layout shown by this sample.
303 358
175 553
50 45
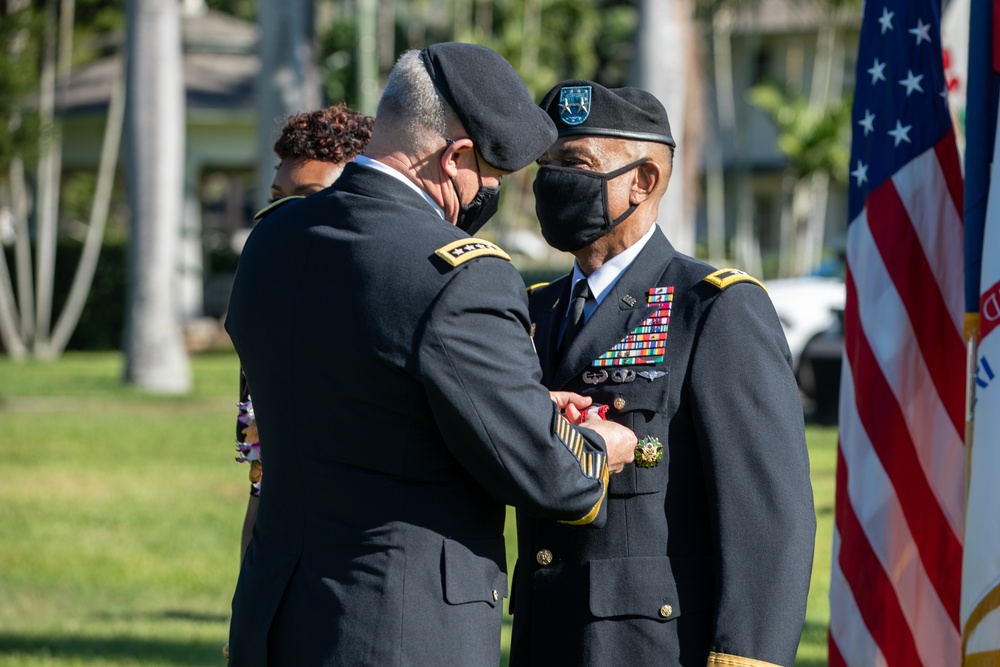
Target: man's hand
572 405
620 442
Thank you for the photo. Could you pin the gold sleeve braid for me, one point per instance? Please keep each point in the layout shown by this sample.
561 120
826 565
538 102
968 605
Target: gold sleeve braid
593 465
726 660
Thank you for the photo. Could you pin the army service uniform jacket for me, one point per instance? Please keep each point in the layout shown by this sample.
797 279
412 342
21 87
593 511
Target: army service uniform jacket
399 406
705 558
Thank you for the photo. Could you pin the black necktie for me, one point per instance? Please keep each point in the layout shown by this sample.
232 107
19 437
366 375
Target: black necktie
574 320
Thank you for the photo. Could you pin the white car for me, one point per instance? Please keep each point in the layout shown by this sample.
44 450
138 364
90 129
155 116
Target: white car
811 310
807 306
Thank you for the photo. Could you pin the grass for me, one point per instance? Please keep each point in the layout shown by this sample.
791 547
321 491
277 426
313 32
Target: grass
120 516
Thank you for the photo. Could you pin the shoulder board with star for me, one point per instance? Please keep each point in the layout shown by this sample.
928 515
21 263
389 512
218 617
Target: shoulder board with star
536 286
275 205
723 278
461 251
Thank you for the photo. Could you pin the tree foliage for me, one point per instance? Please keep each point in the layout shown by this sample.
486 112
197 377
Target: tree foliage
815 140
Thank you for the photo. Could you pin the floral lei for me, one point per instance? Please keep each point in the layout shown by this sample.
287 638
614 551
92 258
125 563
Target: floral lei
249 446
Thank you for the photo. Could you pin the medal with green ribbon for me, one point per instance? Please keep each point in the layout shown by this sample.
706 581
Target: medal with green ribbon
648 452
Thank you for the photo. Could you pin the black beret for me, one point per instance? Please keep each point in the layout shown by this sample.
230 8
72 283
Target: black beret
584 107
491 100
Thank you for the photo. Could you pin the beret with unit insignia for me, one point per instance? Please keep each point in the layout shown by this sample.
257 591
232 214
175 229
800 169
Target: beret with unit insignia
458 252
580 107
723 278
489 97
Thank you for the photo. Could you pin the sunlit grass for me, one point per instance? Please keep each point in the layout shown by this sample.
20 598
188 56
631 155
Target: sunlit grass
120 516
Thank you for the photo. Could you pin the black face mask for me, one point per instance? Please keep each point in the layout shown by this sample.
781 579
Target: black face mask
572 205
475 214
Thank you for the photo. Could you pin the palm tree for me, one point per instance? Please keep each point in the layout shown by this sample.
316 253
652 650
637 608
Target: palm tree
155 356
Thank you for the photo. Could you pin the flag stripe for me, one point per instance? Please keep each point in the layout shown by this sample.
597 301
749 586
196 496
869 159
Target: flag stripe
876 601
835 659
936 219
885 426
846 626
888 330
951 172
877 508
904 258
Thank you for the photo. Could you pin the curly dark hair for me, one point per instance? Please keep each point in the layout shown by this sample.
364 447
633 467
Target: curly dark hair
335 134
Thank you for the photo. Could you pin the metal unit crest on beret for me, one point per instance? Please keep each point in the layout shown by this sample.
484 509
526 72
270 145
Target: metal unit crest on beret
574 104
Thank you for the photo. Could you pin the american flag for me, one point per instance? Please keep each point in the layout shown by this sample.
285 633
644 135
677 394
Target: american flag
897 546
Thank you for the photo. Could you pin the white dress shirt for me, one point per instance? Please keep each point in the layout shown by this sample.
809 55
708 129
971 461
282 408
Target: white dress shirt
366 161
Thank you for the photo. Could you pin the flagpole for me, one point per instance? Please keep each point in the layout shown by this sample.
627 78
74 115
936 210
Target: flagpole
971 363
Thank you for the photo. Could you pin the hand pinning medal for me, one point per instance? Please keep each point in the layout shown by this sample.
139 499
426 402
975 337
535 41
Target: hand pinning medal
648 452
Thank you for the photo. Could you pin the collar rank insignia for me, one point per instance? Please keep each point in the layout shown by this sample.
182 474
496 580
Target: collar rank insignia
648 452
458 252
645 344
574 104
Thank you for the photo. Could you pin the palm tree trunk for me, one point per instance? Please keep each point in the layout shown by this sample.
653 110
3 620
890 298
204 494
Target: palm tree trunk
155 358
668 24
50 156
289 80
83 278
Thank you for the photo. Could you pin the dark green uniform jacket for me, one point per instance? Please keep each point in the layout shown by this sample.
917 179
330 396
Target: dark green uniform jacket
705 558
399 404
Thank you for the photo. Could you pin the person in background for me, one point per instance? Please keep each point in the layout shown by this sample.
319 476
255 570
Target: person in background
396 390
313 147
707 551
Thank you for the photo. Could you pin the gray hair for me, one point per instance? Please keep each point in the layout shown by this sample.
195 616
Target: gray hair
418 113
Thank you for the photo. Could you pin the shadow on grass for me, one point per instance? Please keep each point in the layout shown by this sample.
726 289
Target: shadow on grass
124 649
167 615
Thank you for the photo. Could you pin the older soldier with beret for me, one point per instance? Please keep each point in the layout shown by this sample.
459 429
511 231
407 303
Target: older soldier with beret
706 554
396 391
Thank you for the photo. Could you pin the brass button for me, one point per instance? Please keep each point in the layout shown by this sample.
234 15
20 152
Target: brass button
619 403
666 610
496 596
544 557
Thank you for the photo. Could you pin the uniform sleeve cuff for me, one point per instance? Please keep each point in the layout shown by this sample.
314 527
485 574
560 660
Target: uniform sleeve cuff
726 660
596 509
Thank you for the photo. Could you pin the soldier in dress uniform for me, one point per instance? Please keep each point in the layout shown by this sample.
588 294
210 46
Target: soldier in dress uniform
396 391
707 551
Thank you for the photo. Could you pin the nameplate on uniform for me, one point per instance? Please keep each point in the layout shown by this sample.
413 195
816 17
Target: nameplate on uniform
646 343
463 250
723 278
273 206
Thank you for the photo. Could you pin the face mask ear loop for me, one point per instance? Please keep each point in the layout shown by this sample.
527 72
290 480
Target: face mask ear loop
612 175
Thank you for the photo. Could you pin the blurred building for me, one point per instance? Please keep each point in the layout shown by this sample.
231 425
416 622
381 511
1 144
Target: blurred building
746 211
220 72
744 204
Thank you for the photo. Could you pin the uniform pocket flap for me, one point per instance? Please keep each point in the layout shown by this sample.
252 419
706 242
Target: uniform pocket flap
474 571
640 586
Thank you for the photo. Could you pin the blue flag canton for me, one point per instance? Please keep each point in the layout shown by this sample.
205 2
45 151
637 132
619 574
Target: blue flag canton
901 95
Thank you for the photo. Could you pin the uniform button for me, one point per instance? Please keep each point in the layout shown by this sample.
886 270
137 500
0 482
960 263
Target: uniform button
619 403
666 610
496 596
544 557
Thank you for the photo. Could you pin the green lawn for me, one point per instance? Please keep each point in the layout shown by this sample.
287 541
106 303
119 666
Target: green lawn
120 517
